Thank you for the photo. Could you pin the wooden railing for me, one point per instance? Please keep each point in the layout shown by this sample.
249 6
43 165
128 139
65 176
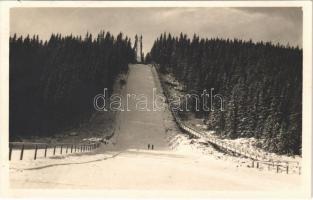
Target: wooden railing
58 148
55 149
258 160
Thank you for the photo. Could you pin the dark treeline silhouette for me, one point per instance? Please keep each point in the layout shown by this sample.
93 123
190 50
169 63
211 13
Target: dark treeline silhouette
261 84
52 83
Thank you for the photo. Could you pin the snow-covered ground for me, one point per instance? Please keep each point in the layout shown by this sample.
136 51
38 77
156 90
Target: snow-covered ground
244 144
176 163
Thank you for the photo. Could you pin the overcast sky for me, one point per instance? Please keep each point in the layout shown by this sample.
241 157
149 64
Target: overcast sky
282 25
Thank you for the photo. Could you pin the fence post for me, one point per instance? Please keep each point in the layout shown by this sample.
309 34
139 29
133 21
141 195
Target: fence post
257 165
71 148
22 152
287 169
46 150
66 149
54 150
299 170
277 169
61 149
10 151
252 163
35 156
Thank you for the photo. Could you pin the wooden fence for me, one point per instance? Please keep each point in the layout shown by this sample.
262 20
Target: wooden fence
258 160
57 149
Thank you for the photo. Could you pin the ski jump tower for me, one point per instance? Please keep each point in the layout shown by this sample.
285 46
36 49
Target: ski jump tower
138 49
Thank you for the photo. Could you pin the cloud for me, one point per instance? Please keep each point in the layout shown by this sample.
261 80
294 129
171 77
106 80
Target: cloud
282 25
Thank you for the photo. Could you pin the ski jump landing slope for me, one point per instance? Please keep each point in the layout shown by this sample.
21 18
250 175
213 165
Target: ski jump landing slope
126 163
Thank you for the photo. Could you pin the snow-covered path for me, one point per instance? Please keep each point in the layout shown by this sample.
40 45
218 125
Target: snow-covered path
126 163
137 128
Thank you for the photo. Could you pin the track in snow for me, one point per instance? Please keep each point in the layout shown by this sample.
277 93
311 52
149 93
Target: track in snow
127 164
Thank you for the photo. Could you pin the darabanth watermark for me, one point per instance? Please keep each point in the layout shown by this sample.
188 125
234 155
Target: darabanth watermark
205 101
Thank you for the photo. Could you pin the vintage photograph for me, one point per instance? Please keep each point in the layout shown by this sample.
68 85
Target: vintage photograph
156 98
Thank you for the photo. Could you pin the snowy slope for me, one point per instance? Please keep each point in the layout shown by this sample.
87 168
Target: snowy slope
176 163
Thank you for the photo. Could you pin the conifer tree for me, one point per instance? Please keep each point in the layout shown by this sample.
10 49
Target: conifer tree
261 84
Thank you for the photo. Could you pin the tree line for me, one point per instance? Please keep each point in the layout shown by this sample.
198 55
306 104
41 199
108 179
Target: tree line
261 84
52 83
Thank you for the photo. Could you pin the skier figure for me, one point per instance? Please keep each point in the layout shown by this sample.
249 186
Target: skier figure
152 146
148 146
